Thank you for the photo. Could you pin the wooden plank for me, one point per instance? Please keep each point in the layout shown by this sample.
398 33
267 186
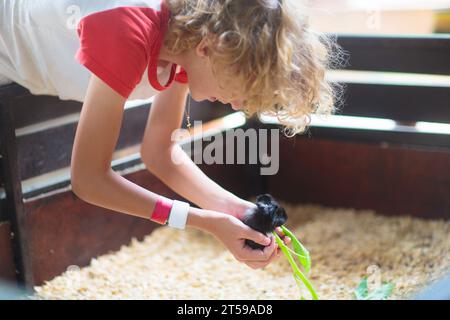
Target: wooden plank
30 109
12 90
2 183
65 230
424 54
122 160
392 181
383 137
371 131
7 268
49 150
3 214
14 205
404 103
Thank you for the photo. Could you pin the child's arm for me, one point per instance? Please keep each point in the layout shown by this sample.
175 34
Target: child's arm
186 179
92 177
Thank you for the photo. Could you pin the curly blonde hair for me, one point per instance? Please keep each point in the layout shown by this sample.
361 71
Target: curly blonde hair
269 50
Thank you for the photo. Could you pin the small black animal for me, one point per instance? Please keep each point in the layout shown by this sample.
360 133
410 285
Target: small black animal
267 216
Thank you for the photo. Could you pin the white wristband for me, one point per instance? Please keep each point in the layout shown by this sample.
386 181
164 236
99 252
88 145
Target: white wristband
178 214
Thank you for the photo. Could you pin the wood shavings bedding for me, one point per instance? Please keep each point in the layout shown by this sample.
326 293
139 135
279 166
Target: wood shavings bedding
190 264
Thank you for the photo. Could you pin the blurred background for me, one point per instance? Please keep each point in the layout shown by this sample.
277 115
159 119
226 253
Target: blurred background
381 16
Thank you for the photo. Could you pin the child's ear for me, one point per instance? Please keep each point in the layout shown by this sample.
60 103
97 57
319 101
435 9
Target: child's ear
202 48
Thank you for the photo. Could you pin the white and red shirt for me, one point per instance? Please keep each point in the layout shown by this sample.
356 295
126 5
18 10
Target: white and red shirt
51 46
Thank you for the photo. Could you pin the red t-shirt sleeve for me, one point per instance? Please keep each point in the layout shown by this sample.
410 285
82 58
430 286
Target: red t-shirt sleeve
116 44
181 76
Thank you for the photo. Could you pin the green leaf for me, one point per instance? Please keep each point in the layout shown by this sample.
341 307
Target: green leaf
303 254
382 292
297 273
361 292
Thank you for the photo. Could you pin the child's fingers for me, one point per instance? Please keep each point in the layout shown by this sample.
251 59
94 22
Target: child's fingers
283 237
262 264
278 252
279 231
256 236
287 240
264 255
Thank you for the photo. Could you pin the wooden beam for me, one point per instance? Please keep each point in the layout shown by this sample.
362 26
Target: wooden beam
14 204
415 54
7 267
404 103
51 149
399 138
370 131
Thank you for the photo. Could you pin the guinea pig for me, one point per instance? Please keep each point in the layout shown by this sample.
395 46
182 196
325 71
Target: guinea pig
267 216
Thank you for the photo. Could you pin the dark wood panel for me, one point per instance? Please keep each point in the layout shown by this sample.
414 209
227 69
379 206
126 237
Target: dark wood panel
2 184
7 268
68 231
12 90
30 109
405 103
14 205
237 179
51 149
394 181
397 137
415 54
3 214
45 151
381 137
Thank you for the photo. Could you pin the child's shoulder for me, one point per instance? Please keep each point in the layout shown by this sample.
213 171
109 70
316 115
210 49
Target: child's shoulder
117 41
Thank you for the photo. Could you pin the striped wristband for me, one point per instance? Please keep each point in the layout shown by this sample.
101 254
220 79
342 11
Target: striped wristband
178 214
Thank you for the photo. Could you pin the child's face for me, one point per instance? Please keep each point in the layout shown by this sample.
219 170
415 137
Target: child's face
203 85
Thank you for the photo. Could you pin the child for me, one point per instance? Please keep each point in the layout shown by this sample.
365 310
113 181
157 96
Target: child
257 55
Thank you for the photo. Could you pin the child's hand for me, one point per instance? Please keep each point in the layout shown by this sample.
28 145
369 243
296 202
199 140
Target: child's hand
232 232
238 210
238 207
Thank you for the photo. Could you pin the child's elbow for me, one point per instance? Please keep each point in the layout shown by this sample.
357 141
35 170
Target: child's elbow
81 184
77 186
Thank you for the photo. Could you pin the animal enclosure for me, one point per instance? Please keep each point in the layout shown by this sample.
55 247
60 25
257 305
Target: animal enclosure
387 151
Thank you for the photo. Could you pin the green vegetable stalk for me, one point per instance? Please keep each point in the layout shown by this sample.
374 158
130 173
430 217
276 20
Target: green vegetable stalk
303 257
382 292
